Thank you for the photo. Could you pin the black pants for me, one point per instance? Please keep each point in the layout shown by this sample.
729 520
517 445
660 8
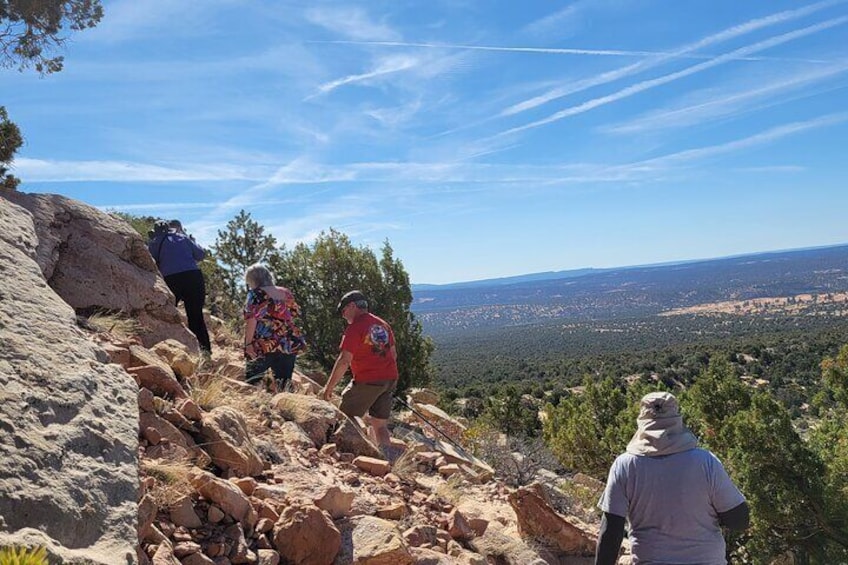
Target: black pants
281 365
189 287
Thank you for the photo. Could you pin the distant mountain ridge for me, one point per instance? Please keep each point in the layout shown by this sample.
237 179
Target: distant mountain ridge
570 273
629 292
482 283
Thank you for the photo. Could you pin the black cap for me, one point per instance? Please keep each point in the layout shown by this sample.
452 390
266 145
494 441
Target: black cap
352 296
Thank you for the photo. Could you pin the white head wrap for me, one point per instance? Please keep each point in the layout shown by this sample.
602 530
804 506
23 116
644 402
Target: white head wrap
660 427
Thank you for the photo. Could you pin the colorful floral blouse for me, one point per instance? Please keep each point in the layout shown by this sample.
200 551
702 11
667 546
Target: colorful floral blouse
276 323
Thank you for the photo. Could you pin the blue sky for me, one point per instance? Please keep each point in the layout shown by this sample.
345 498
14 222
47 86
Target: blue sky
481 138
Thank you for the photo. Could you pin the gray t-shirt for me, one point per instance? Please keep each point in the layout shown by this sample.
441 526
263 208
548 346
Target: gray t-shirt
672 503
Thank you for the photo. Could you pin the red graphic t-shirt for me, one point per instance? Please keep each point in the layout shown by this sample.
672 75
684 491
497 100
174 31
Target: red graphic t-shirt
370 340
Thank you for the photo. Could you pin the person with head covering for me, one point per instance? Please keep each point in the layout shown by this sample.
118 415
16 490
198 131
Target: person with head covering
176 255
675 495
368 349
272 337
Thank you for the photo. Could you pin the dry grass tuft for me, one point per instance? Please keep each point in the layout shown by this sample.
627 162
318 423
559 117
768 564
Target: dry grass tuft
209 392
23 556
161 406
406 466
256 409
172 481
116 324
452 489
578 500
212 390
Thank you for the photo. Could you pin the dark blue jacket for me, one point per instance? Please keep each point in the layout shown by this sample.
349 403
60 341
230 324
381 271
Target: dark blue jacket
175 253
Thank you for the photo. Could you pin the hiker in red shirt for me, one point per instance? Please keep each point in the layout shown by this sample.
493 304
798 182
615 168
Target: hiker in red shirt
368 348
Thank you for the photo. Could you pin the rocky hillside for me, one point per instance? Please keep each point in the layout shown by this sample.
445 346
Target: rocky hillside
119 445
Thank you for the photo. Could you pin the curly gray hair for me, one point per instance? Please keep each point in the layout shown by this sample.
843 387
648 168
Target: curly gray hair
258 275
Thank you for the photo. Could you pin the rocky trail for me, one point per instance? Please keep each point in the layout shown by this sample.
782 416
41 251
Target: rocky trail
120 444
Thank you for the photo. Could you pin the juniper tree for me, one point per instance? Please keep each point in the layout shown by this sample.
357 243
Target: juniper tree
32 31
784 478
10 141
320 273
241 244
587 431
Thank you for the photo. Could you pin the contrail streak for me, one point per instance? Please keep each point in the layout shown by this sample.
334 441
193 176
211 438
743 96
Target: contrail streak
546 50
648 84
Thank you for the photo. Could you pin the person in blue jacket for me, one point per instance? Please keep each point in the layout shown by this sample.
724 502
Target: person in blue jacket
176 255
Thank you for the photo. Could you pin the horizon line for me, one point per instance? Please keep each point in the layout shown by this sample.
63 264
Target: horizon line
637 266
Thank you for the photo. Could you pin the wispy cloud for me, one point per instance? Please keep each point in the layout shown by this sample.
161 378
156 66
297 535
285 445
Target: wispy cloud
652 83
352 22
768 136
558 21
160 206
772 169
505 49
386 66
303 172
128 19
39 171
662 58
719 106
666 55
392 117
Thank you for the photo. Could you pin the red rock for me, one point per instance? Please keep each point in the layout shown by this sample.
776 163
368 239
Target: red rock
165 555
185 548
538 520
161 381
376 467
226 440
306 535
189 408
246 484
215 514
267 556
396 511
458 526
335 501
145 400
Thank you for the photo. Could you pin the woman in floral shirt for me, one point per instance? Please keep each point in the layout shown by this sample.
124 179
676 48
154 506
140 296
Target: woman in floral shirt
272 338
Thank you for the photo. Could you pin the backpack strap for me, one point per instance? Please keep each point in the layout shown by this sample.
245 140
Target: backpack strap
159 250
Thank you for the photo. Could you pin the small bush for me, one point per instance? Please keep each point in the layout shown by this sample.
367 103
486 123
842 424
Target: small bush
23 556
515 460
452 489
574 499
115 324
171 481
406 466
209 393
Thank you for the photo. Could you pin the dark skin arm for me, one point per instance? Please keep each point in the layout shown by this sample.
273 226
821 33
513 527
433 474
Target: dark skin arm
609 539
737 518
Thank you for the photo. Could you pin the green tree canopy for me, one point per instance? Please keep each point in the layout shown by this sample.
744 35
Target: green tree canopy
10 141
32 30
142 224
238 246
797 489
830 437
320 273
587 431
510 413
782 477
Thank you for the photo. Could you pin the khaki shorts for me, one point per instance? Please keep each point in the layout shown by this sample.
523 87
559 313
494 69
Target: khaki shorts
374 398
